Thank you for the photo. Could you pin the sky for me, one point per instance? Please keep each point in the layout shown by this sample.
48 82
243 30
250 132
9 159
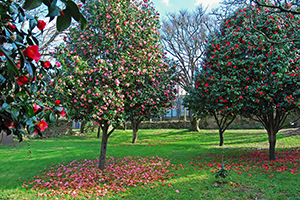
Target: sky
165 6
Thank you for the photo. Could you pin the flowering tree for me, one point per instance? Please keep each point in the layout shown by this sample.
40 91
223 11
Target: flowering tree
115 70
150 96
21 67
204 100
262 76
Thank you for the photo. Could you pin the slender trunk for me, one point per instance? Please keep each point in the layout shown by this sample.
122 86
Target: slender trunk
221 133
135 128
99 130
272 143
82 126
124 126
103 147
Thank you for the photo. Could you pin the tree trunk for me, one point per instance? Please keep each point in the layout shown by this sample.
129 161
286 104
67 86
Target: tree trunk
124 126
135 128
194 123
99 130
272 143
221 133
103 147
82 126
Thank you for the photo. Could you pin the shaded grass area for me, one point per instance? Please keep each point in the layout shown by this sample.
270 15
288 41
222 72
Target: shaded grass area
184 148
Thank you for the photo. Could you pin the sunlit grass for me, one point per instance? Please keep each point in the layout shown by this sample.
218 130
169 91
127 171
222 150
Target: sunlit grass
181 146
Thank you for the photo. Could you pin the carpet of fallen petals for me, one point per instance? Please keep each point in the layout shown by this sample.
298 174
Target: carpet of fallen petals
84 179
251 162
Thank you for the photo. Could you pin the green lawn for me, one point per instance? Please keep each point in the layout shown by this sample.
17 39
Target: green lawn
194 156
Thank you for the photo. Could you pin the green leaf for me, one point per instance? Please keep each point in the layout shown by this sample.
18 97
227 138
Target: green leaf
31 128
29 111
15 113
53 10
29 70
52 117
13 9
30 4
11 65
83 22
73 10
34 87
6 106
2 79
59 109
32 23
63 21
9 99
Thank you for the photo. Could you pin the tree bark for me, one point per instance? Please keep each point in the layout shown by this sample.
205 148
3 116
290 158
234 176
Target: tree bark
124 126
82 126
135 128
272 143
221 133
103 147
194 123
99 130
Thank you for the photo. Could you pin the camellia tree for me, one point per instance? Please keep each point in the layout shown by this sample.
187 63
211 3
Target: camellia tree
115 66
21 68
264 77
151 96
210 98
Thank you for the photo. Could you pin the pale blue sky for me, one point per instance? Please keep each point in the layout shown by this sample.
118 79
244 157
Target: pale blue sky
164 6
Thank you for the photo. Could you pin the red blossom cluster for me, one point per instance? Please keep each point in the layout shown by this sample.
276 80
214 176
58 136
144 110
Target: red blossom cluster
84 179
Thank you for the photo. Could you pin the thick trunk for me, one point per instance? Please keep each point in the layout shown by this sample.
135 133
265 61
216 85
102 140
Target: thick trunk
103 147
272 143
221 133
82 126
194 124
99 130
135 128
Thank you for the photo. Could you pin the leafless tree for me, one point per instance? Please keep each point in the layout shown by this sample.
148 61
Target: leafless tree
183 37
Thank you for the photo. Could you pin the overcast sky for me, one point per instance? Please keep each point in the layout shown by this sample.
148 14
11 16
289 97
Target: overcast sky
164 6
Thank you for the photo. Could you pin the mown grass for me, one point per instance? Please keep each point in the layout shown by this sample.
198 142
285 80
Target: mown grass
184 148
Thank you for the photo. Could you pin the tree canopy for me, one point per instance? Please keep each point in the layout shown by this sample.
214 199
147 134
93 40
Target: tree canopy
262 78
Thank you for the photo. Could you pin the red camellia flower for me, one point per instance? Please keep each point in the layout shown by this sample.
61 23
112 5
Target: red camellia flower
32 52
46 64
21 80
42 125
57 102
41 24
63 112
9 124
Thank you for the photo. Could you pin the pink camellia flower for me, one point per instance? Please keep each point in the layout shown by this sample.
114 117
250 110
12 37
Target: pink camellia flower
42 125
57 64
41 25
46 64
32 52
22 80
36 108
